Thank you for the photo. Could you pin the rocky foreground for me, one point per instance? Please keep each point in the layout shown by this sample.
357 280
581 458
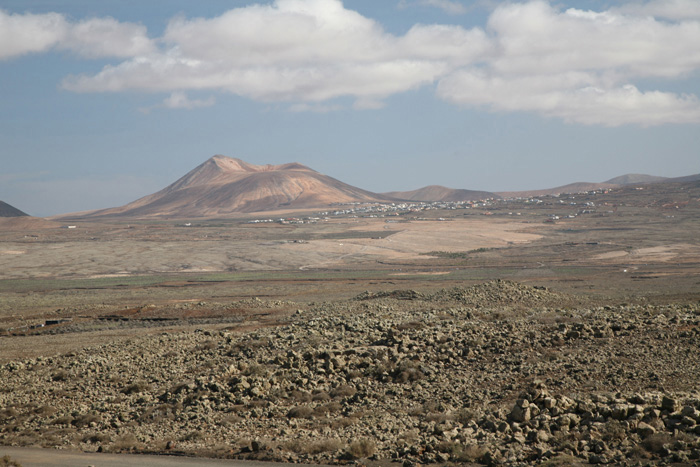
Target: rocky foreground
493 374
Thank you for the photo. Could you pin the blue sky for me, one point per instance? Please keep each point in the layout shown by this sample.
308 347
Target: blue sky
104 102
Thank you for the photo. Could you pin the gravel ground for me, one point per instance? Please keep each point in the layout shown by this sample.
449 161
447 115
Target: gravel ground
498 373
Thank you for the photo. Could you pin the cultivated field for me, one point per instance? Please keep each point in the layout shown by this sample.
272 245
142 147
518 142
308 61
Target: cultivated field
559 329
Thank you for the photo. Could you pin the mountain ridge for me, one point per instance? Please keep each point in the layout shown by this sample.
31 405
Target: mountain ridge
437 193
633 179
7 210
576 187
616 182
224 186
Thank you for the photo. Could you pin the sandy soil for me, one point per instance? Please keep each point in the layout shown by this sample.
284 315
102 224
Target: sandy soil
658 253
93 252
413 240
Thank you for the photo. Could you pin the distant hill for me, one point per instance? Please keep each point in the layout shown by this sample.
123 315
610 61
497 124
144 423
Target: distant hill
640 179
617 182
687 178
10 211
578 187
633 179
223 185
441 193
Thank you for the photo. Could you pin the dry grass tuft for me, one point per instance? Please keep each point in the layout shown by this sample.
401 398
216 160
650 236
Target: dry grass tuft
361 448
127 442
300 412
7 461
656 442
136 388
344 390
85 420
60 375
307 447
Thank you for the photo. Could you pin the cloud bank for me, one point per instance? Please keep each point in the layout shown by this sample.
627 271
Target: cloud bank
581 66
586 67
22 34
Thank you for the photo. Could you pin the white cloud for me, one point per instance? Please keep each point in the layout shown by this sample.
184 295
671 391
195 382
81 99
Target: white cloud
106 37
316 108
293 51
21 34
579 65
573 97
179 100
368 104
534 37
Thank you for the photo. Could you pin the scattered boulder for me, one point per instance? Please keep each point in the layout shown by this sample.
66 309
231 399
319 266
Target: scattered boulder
454 376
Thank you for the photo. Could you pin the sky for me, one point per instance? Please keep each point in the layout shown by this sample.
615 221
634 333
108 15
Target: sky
104 102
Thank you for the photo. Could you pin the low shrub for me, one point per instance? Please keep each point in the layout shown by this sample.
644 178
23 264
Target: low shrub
300 412
136 388
96 438
468 453
60 375
300 396
7 461
64 420
344 390
321 396
193 436
361 448
85 420
655 443
465 416
331 407
127 442
299 446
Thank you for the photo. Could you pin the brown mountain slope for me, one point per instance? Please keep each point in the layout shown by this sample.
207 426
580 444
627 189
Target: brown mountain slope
441 193
687 178
10 211
224 185
578 187
635 179
617 182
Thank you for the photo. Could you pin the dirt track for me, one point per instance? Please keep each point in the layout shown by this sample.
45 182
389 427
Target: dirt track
35 457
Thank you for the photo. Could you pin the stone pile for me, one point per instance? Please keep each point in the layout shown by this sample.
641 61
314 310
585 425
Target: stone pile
427 380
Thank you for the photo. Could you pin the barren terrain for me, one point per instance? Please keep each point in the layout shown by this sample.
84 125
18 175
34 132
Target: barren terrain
556 329
103 250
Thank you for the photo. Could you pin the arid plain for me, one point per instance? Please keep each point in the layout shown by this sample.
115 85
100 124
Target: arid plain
560 329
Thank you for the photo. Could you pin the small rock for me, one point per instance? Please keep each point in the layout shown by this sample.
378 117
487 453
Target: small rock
521 411
645 430
670 404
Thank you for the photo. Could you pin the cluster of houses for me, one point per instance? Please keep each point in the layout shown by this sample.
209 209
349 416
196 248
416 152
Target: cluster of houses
491 206
373 210
289 220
